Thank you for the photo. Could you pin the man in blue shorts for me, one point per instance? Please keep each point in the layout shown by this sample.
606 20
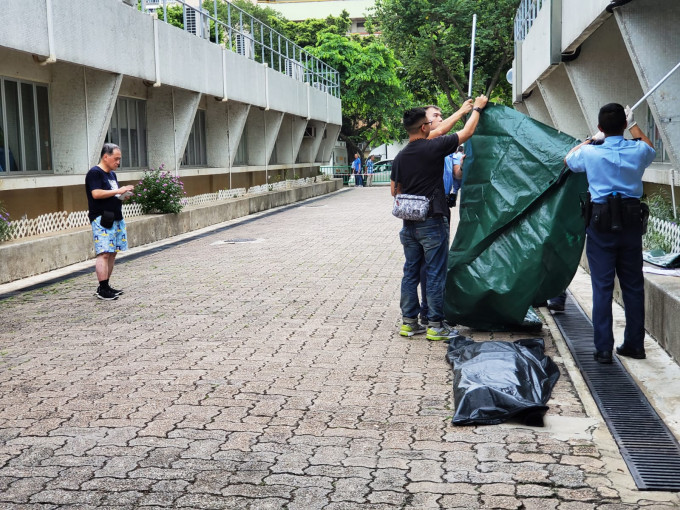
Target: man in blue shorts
105 204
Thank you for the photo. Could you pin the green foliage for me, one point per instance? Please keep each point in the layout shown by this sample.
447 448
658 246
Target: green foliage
373 98
175 15
661 208
433 38
6 228
159 191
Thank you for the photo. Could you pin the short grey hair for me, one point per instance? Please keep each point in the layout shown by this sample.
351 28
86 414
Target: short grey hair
108 149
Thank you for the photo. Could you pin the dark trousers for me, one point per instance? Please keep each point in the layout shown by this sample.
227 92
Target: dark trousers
617 254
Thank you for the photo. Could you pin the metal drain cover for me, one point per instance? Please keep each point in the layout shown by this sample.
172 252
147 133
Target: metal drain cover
648 447
238 241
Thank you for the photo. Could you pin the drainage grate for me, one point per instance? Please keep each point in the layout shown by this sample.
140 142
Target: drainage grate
649 449
237 241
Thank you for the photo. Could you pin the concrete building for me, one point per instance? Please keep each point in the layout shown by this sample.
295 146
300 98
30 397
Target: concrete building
573 56
227 115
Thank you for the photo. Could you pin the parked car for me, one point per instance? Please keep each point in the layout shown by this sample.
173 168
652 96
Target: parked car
383 166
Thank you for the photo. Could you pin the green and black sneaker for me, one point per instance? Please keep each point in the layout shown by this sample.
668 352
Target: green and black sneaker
411 328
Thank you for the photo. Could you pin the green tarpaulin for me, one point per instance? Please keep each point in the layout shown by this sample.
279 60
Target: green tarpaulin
521 234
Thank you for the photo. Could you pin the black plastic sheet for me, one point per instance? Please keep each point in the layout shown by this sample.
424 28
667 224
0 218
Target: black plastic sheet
494 381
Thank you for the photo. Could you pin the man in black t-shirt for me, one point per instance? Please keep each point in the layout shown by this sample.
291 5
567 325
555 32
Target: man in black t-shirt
418 169
104 200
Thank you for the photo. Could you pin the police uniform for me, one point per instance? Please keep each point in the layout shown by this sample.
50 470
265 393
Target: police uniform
614 234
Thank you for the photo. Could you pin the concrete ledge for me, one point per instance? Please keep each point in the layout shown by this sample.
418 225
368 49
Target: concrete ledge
39 254
662 308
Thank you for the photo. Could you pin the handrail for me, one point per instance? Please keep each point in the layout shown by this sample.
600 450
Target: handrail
248 36
526 14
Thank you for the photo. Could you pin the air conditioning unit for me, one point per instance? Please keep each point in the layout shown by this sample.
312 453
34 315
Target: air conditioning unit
245 45
293 69
310 132
197 22
320 86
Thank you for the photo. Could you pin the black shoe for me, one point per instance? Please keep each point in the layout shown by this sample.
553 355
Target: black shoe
556 307
622 350
105 294
116 292
604 357
540 304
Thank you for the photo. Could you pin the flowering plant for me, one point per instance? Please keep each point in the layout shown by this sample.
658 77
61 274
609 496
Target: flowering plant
159 191
6 228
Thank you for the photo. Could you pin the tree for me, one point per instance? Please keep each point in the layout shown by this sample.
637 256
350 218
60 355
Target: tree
373 97
433 39
175 15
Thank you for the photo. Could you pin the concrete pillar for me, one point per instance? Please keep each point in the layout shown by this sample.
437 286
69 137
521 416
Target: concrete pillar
327 143
289 139
262 129
603 73
521 107
562 104
81 101
309 147
217 133
650 33
170 114
238 114
535 105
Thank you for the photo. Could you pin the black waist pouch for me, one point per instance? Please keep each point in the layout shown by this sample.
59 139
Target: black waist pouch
106 220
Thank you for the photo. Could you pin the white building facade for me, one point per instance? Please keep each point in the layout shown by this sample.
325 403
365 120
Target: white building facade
238 112
574 56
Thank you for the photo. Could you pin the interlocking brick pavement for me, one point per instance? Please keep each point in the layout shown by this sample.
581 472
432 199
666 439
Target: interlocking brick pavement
269 375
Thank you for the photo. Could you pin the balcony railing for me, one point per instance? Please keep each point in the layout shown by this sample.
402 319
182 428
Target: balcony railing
249 37
526 14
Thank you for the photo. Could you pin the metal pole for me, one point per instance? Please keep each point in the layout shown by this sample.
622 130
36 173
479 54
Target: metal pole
472 54
656 86
217 30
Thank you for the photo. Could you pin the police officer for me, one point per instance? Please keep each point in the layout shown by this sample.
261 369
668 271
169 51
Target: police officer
614 232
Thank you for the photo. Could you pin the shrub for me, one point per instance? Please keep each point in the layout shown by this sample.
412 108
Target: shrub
6 228
159 191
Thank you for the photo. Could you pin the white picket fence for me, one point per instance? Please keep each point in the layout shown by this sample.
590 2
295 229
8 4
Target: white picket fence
668 229
62 220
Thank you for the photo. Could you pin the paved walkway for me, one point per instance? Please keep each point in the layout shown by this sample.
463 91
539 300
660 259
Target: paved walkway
269 375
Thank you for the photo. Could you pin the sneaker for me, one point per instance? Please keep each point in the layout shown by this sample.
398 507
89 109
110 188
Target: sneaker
105 294
411 328
441 331
116 292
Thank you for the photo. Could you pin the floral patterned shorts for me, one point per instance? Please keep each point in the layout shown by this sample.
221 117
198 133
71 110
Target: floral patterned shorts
109 240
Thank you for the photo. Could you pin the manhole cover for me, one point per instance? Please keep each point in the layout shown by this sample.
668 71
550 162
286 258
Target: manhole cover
238 241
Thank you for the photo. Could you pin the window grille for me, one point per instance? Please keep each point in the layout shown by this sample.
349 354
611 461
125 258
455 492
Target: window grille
25 144
128 131
195 153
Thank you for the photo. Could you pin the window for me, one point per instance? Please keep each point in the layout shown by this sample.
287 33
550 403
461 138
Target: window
24 127
195 153
242 150
655 138
128 131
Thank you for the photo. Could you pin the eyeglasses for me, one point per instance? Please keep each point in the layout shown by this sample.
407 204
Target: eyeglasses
426 123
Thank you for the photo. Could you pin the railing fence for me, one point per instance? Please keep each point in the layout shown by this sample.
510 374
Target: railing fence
249 37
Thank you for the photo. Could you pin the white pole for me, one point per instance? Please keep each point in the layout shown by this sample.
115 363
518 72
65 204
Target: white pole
472 53
656 86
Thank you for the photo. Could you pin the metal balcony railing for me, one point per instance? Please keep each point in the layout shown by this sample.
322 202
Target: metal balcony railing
248 36
526 14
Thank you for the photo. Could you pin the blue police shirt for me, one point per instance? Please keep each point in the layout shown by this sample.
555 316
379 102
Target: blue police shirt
615 166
